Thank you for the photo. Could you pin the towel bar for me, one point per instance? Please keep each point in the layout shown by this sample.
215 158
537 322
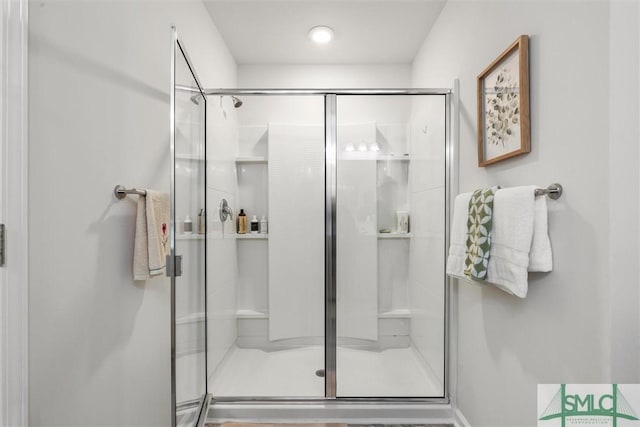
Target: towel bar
554 191
121 192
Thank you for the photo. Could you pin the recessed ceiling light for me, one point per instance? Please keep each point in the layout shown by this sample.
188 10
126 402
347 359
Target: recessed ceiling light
321 34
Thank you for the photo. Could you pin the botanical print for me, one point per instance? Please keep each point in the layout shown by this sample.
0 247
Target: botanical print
502 109
502 115
503 105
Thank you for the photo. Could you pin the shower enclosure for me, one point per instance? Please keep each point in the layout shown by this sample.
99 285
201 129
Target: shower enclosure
340 295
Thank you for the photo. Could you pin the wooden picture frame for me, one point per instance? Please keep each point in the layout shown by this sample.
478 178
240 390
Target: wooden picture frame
503 105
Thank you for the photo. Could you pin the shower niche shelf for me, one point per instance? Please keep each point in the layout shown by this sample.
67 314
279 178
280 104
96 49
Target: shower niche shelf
189 157
190 236
385 236
251 159
252 175
400 313
393 158
252 236
250 314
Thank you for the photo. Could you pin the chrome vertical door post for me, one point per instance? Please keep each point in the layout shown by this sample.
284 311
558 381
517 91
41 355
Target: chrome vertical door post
172 216
331 155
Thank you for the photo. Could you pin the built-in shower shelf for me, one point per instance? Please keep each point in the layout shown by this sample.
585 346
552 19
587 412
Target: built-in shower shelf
190 236
394 235
191 318
401 313
189 157
251 159
391 158
250 236
251 314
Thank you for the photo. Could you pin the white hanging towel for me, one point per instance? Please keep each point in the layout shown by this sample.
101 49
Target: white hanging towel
540 257
152 235
520 240
458 236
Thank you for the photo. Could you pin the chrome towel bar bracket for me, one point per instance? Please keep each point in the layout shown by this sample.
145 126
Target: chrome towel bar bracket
554 191
121 192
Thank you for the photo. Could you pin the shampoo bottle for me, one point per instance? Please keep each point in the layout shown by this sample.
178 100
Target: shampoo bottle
201 222
263 225
242 222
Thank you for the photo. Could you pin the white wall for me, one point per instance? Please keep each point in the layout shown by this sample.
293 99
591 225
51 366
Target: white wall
561 333
624 199
99 111
324 76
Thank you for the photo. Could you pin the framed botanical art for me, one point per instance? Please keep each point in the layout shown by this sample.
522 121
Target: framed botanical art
503 105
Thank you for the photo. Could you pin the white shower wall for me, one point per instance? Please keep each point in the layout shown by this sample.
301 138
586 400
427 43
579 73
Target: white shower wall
426 259
399 130
356 234
296 232
222 269
255 114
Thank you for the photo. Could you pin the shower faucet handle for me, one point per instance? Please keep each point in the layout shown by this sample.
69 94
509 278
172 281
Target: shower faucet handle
224 211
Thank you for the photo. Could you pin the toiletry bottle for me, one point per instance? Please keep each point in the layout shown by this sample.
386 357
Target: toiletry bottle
201 222
242 222
263 225
254 225
188 225
402 221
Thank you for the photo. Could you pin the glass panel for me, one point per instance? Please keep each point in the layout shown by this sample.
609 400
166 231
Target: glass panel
266 158
390 246
188 197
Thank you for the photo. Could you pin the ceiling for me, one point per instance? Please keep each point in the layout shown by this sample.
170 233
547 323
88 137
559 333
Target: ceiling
366 31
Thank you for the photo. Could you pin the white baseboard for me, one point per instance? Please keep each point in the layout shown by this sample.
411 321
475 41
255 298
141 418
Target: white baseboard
459 420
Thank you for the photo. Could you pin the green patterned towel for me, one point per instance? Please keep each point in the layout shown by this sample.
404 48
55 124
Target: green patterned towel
479 224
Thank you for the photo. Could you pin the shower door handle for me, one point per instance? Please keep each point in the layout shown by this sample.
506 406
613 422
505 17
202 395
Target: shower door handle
178 266
2 251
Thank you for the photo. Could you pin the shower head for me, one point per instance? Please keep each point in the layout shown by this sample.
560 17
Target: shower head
237 102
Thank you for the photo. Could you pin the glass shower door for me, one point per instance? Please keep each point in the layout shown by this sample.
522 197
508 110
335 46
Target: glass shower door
390 238
187 260
266 313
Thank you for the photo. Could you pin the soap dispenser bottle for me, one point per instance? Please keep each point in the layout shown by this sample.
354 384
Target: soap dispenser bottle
242 222
254 225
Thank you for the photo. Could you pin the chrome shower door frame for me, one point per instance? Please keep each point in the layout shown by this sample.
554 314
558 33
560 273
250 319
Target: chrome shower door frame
330 121
173 260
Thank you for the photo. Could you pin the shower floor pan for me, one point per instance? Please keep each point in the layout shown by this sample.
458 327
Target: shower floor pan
253 372
393 373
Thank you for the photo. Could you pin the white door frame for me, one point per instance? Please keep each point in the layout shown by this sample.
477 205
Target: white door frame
14 314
